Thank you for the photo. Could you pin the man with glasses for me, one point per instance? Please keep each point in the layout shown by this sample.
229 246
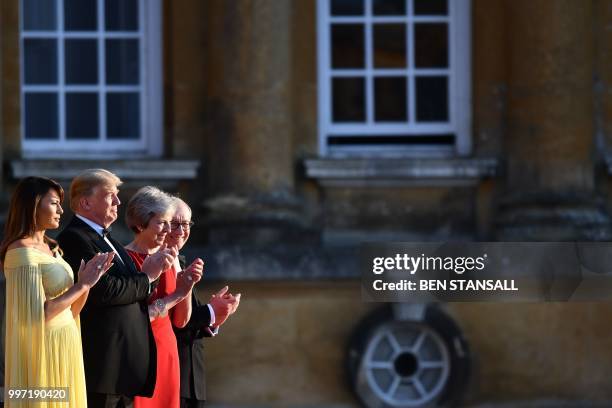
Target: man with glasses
205 318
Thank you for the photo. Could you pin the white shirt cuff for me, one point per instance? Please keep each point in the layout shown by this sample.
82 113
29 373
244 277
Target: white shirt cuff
212 315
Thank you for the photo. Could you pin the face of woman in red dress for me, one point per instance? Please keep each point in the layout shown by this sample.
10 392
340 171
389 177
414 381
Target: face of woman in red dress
49 211
154 234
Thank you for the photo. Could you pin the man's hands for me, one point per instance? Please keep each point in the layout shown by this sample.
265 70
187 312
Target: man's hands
157 263
91 272
224 304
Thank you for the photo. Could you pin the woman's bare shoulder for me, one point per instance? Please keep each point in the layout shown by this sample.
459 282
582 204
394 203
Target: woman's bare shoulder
20 243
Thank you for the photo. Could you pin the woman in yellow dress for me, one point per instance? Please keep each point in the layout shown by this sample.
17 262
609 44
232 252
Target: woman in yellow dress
43 339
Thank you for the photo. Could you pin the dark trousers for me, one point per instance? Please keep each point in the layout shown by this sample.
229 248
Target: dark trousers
96 400
191 403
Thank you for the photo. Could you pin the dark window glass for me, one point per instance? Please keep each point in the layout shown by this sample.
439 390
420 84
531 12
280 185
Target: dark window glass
390 99
82 115
123 115
348 99
121 15
39 15
122 62
430 7
389 7
81 62
346 7
80 15
40 61
389 45
41 115
347 46
431 45
432 99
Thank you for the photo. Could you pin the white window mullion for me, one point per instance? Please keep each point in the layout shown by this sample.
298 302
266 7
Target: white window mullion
101 71
61 74
325 96
144 89
369 62
411 65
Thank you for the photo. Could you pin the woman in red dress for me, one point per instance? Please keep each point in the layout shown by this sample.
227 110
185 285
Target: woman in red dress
148 214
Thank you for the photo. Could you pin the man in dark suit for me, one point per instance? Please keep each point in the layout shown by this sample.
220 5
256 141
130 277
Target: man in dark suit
118 346
204 322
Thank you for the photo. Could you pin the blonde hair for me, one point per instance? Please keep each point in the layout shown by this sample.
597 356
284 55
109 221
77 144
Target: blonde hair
84 184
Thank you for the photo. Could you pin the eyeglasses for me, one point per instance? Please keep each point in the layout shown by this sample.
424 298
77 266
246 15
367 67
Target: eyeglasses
185 225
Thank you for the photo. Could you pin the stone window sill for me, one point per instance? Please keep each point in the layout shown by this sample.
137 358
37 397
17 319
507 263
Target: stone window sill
159 171
391 172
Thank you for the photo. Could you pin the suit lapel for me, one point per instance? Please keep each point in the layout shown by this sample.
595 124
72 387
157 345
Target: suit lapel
127 259
102 246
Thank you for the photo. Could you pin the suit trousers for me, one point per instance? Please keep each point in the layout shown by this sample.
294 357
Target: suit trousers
96 400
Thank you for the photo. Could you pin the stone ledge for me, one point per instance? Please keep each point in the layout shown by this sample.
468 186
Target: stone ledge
366 172
128 170
277 262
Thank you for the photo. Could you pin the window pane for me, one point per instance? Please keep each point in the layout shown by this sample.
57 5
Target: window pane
389 45
123 115
390 99
346 7
121 15
81 61
41 115
40 61
389 7
39 15
432 99
348 99
430 7
431 45
82 115
347 46
80 15
122 62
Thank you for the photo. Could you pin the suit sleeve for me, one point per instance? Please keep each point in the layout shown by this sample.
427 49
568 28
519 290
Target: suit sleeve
113 288
198 325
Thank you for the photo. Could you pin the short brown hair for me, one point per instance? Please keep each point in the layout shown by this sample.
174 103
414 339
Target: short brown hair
84 184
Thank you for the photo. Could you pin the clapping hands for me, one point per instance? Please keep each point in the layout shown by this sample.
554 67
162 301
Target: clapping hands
158 262
224 304
186 279
91 272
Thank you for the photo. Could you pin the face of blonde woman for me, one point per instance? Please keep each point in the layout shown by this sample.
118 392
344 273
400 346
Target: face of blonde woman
156 231
180 227
49 211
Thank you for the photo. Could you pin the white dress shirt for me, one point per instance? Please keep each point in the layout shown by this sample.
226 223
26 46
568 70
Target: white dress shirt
99 230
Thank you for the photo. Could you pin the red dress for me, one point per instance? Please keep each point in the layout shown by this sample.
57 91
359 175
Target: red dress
167 385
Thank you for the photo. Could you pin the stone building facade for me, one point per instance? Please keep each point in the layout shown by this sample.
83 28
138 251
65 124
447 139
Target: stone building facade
233 116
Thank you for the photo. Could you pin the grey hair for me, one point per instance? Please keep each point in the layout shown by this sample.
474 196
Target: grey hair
178 201
148 202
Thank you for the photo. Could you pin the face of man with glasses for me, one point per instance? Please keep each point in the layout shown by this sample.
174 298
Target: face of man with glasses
180 226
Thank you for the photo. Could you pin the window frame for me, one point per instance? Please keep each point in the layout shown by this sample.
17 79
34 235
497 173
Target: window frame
150 88
458 74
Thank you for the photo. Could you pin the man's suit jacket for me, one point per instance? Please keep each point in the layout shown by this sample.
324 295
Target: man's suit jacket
190 342
118 345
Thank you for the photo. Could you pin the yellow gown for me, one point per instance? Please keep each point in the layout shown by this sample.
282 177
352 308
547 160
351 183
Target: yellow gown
39 353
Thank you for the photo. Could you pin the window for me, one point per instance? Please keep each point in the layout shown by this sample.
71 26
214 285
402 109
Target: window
394 77
91 78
